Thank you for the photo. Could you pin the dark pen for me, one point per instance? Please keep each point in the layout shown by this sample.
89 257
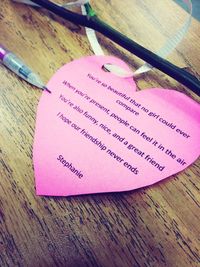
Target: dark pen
92 21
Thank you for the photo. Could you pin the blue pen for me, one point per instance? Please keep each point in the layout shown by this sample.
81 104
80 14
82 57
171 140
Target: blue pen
12 62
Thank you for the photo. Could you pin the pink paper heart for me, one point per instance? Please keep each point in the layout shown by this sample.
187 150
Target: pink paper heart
94 133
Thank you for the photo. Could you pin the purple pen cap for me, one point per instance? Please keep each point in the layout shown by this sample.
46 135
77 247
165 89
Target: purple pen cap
3 52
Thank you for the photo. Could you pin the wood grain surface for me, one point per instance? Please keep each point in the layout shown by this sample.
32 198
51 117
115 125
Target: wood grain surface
150 227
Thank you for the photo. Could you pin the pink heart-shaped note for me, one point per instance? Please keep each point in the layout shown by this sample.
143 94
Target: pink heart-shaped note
94 133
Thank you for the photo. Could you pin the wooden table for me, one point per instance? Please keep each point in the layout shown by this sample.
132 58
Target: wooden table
154 226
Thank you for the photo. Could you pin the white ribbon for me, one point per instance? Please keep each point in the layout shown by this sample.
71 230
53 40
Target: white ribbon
172 42
76 3
91 35
27 2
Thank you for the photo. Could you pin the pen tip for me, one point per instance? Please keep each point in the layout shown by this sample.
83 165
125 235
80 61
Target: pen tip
46 89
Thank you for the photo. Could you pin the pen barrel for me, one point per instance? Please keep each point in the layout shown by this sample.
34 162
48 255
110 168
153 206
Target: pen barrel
16 65
3 52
